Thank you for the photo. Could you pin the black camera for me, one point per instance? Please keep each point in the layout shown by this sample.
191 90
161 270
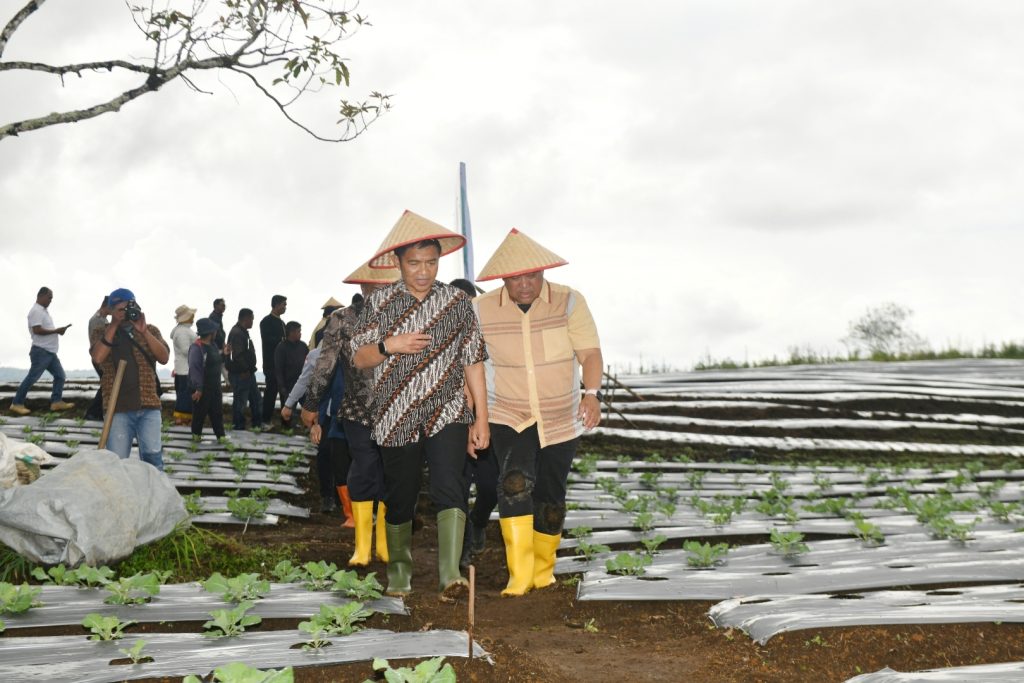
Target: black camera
132 311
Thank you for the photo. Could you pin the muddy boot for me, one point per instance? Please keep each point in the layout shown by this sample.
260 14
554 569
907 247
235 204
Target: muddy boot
362 515
451 526
382 536
346 507
519 554
544 547
400 558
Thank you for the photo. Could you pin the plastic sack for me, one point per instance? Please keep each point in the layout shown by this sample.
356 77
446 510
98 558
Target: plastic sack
94 508
11 451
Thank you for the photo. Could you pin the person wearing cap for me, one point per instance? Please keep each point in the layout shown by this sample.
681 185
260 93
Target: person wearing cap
330 306
130 339
204 367
364 486
43 355
538 335
182 337
423 342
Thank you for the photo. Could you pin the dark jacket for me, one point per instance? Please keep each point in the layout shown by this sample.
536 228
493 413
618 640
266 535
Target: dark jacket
204 364
288 359
271 334
243 353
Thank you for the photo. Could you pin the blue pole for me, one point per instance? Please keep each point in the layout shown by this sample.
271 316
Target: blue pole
466 225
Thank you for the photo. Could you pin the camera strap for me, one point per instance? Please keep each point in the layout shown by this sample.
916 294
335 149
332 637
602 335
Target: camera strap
141 348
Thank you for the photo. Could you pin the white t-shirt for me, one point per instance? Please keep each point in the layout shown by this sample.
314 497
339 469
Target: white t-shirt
38 315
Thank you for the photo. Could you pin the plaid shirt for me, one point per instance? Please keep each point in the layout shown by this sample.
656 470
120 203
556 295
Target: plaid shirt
425 391
334 348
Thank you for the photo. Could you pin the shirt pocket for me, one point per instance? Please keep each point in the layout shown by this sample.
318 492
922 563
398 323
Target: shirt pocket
556 344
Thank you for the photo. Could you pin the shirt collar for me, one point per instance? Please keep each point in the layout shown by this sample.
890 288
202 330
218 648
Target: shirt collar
545 294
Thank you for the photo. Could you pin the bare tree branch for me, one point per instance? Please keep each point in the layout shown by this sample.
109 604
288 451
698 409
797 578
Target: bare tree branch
249 37
12 26
75 68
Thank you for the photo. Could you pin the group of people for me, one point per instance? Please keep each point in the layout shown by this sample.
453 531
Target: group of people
432 375
414 373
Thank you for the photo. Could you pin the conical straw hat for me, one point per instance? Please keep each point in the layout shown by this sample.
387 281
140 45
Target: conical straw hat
518 255
332 303
365 275
410 229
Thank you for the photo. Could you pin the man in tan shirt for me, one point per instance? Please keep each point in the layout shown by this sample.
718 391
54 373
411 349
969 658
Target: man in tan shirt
538 336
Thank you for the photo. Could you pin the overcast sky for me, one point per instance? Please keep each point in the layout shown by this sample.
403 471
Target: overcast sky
732 178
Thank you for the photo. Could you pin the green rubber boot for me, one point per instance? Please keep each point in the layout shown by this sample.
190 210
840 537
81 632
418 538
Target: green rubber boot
399 538
451 526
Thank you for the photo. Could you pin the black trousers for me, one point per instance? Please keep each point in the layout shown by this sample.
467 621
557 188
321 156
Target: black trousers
270 392
95 409
445 455
210 403
483 470
332 465
531 479
366 475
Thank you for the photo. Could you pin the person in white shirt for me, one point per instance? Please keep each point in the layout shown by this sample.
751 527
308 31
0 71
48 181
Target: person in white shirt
182 337
43 355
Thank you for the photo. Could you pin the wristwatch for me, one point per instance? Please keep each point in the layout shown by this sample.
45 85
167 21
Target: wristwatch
595 393
382 348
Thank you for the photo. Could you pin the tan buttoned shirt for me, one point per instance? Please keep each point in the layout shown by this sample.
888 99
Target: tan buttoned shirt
533 375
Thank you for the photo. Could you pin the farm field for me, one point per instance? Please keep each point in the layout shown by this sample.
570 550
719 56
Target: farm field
809 523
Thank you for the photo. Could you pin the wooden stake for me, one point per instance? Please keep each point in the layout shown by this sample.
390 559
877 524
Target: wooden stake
109 416
472 606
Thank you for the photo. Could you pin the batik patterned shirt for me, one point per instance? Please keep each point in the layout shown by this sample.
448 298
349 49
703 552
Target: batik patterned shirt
335 349
423 392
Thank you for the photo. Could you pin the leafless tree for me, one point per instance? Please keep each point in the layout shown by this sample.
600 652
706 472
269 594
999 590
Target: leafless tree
885 331
284 48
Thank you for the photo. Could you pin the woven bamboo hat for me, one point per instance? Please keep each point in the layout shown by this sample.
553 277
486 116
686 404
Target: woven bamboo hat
365 275
518 255
184 313
331 303
410 229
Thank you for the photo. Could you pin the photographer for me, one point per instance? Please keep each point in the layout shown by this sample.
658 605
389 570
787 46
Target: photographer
137 412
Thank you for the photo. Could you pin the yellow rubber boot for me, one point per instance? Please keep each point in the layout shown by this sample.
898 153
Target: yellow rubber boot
362 515
517 533
382 533
346 506
544 547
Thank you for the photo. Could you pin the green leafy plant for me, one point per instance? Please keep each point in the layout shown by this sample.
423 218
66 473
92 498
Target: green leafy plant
246 508
3 626
1004 512
348 583
18 599
338 620
650 479
830 506
134 653
319 576
194 504
590 626
947 527
788 543
239 672
105 627
240 463
238 589
285 572
135 589
430 671
696 479
651 544
628 564
230 622
591 550
704 555
644 521
867 532
317 636
205 462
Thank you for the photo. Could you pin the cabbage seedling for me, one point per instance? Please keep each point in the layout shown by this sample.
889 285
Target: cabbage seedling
429 671
239 672
338 620
133 590
788 543
104 627
134 653
230 622
628 564
17 599
349 583
238 589
703 555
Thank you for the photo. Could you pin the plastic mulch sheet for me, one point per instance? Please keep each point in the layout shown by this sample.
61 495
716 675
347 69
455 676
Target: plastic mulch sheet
763 616
63 606
1011 672
69 659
